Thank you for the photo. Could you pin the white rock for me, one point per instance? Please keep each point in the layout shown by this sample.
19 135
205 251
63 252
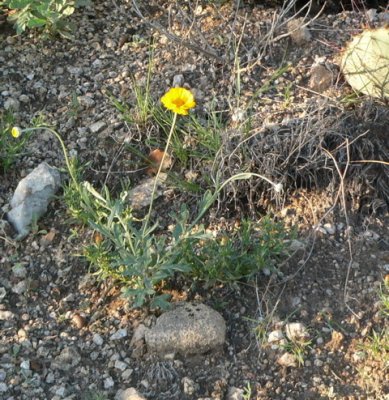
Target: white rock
189 386
109 383
330 228
276 337
287 360
188 329
129 394
25 364
119 334
235 394
296 331
3 293
6 315
97 339
32 197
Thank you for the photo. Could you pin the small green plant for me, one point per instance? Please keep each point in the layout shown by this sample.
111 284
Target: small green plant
49 15
384 298
298 348
9 148
247 392
237 255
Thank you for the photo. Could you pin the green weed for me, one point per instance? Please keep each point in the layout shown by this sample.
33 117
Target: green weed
51 16
233 256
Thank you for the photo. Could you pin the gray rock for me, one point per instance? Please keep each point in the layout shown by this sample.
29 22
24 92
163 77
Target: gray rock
178 80
32 197
97 339
19 270
11 104
188 329
140 196
235 394
321 78
109 383
296 331
3 387
129 394
120 365
298 34
119 334
3 293
20 287
67 359
97 126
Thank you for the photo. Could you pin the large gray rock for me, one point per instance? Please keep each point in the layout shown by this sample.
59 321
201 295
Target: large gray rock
188 329
32 197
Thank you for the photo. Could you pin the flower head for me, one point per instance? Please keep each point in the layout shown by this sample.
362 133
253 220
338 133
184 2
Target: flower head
179 100
16 132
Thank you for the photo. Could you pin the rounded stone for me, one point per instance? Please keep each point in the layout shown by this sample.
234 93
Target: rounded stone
188 329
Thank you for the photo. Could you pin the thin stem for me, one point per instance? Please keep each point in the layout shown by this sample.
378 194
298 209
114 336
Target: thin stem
147 219
65 153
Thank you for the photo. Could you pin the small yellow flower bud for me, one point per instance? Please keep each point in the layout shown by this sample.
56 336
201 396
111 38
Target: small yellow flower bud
16 132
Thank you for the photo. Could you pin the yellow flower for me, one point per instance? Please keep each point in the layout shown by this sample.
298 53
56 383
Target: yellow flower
179 100
16 132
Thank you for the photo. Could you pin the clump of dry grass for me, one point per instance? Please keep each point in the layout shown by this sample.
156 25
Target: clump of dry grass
296 153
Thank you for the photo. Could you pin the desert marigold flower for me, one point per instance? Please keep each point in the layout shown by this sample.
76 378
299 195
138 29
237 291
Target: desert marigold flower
16 132
179 100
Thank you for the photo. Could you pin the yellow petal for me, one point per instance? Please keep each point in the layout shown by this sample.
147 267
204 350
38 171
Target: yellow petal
179 100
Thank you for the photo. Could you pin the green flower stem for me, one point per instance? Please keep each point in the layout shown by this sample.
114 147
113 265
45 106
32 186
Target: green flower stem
169 138
65 153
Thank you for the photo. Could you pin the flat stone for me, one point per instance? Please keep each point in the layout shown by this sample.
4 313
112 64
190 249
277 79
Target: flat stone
188 329
119 334
32 197
97 126
140 196
67 359
129 394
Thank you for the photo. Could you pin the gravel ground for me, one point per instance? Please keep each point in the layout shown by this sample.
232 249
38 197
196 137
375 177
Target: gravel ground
66 335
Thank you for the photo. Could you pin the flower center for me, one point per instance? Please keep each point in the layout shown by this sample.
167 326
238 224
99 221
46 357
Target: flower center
178 102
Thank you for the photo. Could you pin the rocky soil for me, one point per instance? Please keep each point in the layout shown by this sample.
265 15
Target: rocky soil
314 329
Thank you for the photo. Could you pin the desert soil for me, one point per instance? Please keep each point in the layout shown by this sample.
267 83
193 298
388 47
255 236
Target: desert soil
332 283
